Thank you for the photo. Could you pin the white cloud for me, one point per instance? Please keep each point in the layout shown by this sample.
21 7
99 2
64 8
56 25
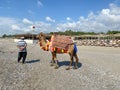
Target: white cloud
114 9
15 27
49 19
68 19
106 19
110 18
67 26
43 27
39 3
8 21
26 21
30 12
8 25
117 2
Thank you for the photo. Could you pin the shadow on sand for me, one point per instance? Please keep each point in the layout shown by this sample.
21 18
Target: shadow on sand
66 63
33 61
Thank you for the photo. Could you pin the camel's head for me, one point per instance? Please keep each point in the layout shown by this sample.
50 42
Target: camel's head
40 36
42 40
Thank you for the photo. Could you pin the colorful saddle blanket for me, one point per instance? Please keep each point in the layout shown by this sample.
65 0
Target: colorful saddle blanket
61 41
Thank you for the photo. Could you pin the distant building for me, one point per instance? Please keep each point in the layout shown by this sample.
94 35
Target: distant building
26 36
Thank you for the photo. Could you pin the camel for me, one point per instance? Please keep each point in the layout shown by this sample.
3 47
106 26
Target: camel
45 45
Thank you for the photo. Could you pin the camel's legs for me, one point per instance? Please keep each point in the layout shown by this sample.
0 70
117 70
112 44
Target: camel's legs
54 59
71 61
76 63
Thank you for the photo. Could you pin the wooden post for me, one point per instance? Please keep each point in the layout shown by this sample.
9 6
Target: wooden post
33 29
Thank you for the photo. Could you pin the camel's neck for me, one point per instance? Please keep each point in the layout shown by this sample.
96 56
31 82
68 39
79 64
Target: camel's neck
44 44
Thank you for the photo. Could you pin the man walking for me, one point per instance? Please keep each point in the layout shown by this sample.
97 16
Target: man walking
22 46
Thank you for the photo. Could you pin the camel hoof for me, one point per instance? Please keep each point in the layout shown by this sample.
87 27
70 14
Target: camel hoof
75 67
52 64
56 67
68 68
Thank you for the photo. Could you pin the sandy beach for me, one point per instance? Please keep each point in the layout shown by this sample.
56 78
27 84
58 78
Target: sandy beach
99 69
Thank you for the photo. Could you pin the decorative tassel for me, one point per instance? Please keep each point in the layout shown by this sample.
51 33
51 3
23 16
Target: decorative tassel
62 51
54 49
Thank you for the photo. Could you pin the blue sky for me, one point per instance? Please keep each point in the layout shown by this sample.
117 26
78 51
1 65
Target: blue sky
18 16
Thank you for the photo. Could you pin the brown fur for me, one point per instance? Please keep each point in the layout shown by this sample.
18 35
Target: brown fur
43 45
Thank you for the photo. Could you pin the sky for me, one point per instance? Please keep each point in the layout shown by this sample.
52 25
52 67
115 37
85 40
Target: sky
19 16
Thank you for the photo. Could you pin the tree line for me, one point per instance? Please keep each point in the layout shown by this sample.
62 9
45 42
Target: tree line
6 35
70 32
